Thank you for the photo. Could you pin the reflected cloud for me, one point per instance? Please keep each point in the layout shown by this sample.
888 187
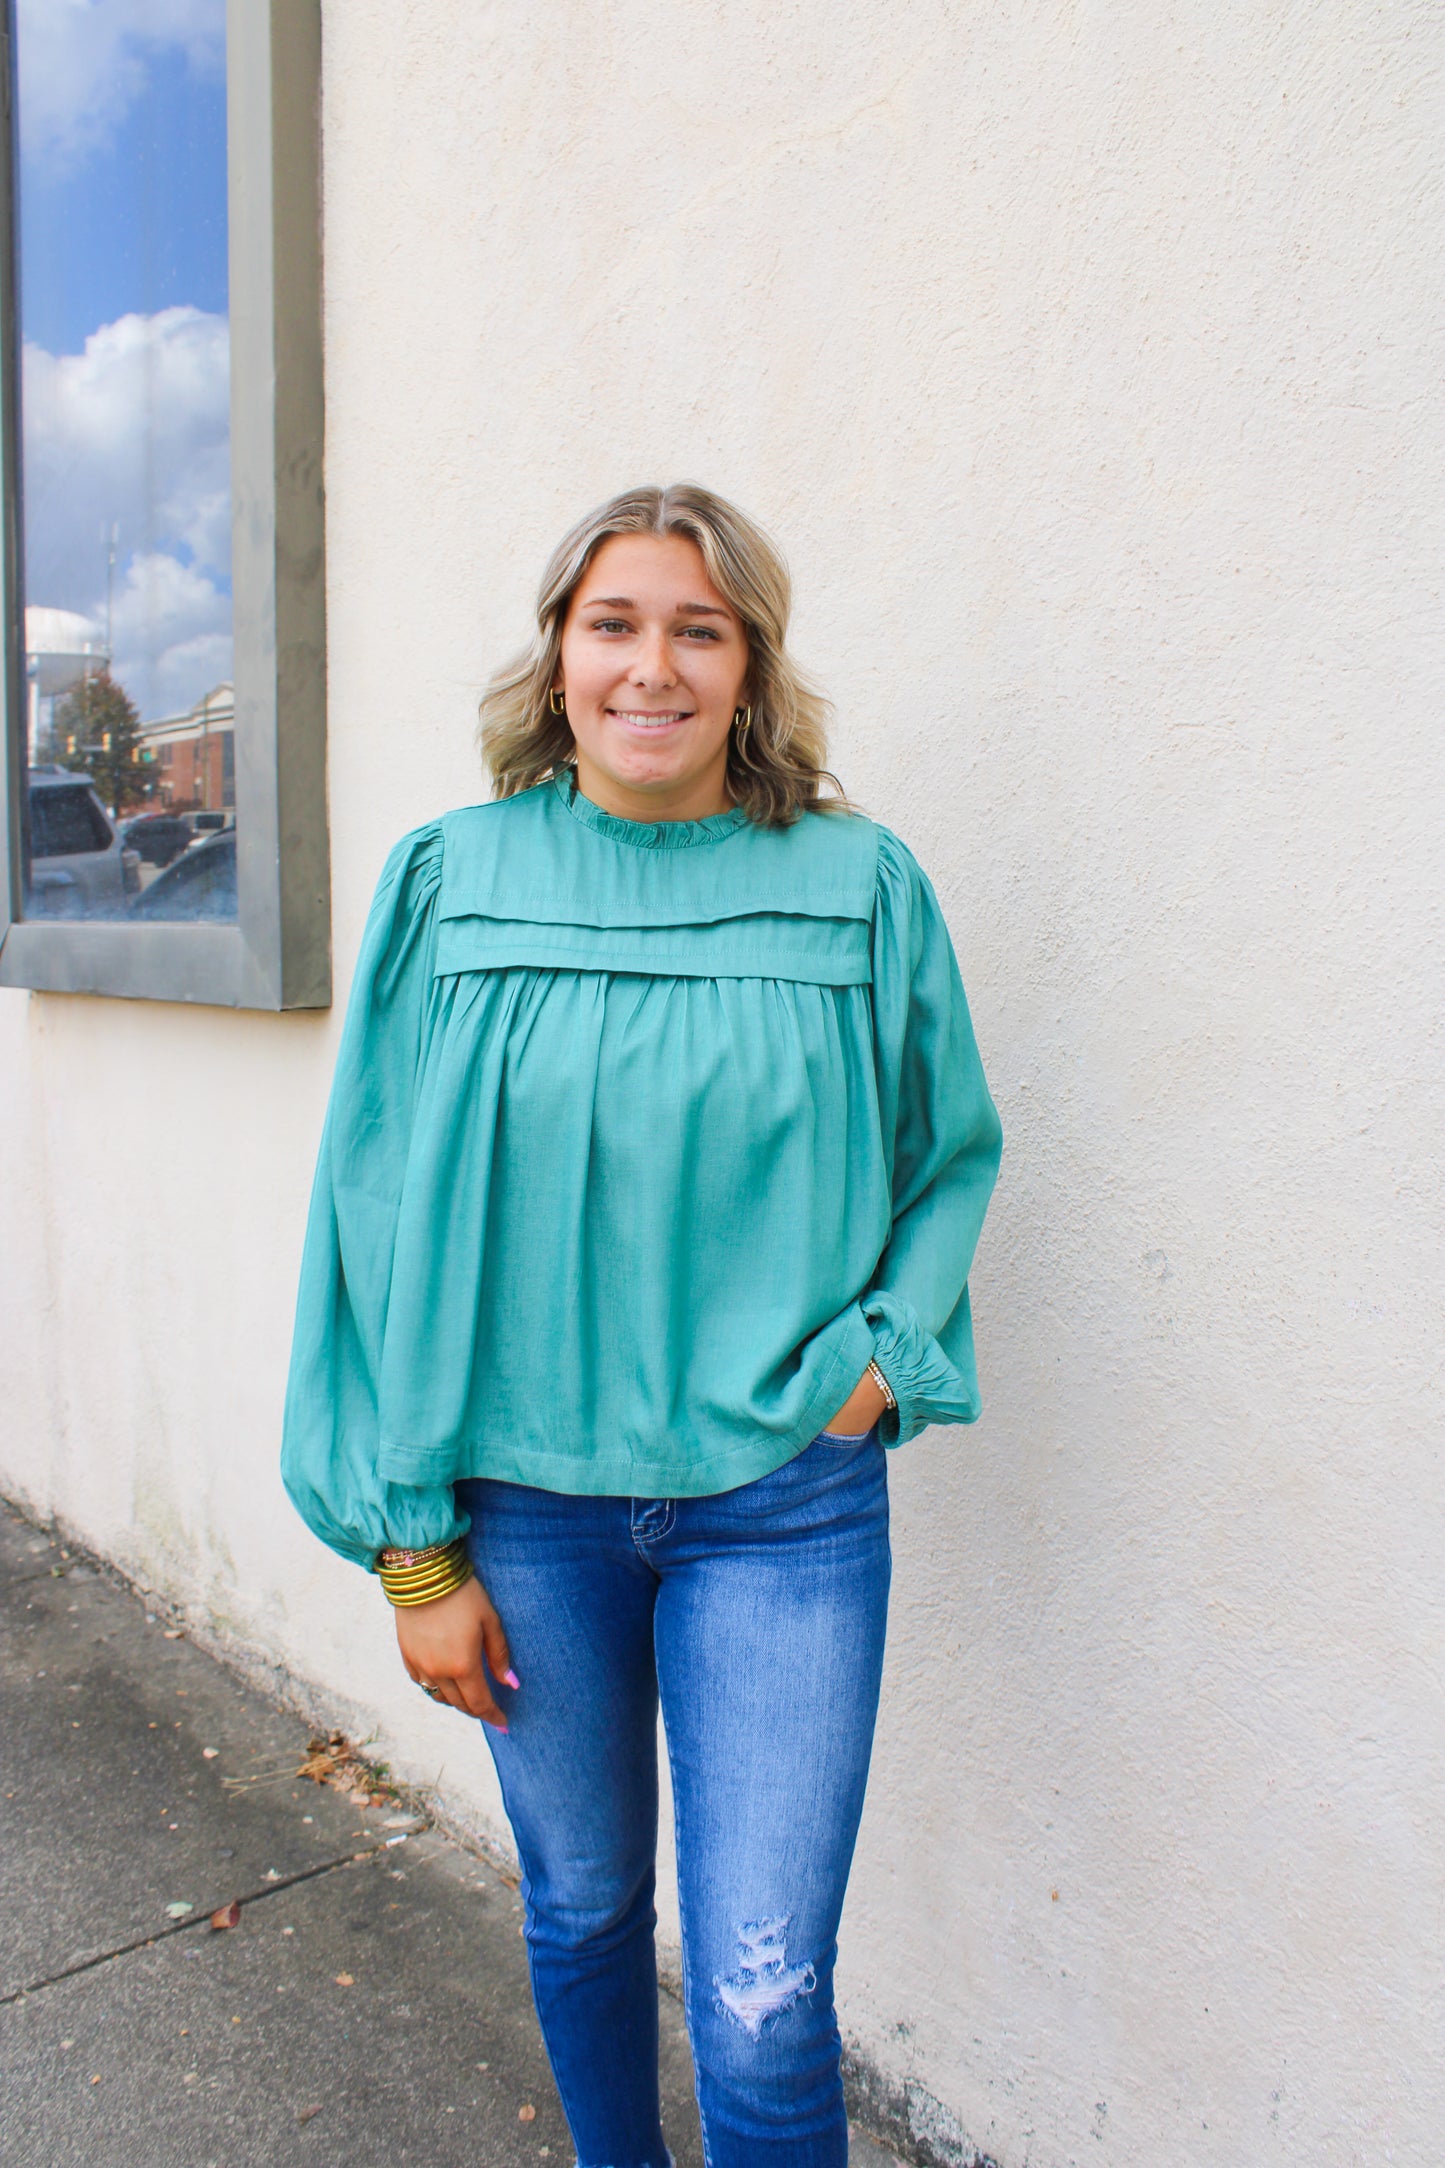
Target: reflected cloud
171 633
83 64
135 429
132 436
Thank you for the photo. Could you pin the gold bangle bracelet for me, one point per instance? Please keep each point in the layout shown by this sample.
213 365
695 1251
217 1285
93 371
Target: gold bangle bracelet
412 1577
428 1592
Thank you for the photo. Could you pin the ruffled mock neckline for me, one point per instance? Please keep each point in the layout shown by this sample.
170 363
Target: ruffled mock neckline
646 835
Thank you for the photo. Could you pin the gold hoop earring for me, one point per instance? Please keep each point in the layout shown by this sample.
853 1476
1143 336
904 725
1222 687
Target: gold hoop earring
557 700
742 718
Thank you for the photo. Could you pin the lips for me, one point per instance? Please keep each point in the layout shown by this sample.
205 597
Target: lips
639 719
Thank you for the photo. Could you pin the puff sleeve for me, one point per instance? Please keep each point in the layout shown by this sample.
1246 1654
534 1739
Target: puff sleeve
330 1432
942 1140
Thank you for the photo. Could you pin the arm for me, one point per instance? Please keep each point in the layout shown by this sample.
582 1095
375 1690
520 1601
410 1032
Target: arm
943 1140
331 1434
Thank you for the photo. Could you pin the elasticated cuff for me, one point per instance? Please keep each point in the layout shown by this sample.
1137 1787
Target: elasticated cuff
926 1385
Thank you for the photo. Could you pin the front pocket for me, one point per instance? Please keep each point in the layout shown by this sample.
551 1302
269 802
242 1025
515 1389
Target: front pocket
838 1437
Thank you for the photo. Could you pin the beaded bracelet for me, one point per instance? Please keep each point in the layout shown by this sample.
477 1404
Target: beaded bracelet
410 1577
882 1384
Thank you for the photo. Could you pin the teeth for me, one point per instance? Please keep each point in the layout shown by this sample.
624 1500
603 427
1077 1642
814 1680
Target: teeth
646 722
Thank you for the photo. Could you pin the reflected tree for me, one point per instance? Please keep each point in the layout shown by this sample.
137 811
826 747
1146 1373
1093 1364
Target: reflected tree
97 732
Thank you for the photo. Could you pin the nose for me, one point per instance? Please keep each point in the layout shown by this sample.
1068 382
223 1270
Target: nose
652 664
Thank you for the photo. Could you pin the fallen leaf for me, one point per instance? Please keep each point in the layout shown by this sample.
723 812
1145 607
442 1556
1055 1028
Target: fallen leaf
209 1753
227 1915
344 1979
527 2114
304 2115
334 1760
173 1633
178 1910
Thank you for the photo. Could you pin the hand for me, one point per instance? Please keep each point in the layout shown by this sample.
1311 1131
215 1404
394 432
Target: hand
442 1643
861 1410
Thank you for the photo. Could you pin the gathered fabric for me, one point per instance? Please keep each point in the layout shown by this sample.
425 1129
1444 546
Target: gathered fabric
644 1139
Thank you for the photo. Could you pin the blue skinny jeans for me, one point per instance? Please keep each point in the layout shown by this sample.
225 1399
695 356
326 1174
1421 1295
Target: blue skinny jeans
758 1617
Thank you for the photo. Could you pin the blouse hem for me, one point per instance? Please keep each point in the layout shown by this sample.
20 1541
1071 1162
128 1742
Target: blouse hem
621 1474
602 1475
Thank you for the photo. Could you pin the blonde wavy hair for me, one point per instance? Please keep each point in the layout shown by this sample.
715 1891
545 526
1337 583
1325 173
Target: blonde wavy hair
775 767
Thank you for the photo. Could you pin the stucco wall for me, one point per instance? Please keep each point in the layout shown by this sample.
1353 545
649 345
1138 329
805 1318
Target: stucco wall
1079 357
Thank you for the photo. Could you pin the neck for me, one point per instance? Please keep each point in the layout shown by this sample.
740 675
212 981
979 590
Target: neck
694 799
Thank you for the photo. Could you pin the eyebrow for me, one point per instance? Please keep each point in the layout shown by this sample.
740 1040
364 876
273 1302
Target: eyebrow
625 602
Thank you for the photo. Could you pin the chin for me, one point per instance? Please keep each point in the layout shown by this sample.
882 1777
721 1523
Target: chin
652 779
635 765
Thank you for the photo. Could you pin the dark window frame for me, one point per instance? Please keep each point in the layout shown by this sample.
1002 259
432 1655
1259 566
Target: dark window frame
277 955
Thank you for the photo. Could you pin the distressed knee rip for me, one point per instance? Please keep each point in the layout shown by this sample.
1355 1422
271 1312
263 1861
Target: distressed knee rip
765 1984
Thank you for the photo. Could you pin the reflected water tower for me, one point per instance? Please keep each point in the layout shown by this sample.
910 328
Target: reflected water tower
62 649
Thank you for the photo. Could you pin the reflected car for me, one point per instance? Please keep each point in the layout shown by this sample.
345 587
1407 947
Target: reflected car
157 837
209 823
199 886
80 864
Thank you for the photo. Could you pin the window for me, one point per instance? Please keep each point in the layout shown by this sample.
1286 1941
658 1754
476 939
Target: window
67 822
160 450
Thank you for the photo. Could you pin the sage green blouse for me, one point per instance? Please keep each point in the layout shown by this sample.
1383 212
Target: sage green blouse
644 1138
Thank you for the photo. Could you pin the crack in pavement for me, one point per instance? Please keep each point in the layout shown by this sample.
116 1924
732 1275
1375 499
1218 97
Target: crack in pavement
201 1919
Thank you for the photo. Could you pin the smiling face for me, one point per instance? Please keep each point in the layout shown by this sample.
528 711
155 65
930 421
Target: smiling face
654 663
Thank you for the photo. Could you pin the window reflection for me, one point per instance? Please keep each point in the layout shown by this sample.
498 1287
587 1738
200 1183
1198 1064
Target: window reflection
125 334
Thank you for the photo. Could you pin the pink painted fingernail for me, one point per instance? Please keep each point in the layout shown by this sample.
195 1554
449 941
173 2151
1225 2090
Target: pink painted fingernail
509 1678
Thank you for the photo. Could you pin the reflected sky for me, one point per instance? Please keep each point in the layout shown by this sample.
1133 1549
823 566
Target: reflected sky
136 222
123 292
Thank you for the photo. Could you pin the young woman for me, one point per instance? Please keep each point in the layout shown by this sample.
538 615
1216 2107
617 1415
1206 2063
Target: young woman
656 1157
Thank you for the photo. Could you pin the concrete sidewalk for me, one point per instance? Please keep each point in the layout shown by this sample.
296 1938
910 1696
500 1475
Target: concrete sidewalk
370 2005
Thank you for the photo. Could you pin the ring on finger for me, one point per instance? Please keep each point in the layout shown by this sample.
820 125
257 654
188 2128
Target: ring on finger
427 1688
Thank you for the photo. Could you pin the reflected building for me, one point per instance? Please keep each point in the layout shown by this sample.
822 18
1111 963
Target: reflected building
192 757
62 650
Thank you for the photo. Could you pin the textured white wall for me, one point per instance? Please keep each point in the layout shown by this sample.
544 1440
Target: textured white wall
1079 356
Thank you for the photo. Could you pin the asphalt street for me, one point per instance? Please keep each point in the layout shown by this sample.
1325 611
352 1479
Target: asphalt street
369 2005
